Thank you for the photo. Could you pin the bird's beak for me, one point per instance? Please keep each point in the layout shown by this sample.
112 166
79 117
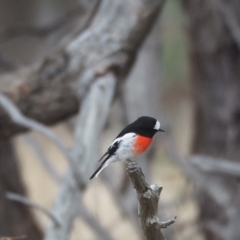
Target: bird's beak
161 130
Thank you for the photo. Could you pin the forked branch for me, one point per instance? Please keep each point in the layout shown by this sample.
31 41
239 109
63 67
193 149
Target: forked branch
148 197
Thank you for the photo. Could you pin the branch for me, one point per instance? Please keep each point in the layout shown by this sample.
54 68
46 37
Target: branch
82 212
20 119
213 188
21 199
211 164
148 197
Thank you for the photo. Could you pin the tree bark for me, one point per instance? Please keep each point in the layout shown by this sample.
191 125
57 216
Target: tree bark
215 55
16 219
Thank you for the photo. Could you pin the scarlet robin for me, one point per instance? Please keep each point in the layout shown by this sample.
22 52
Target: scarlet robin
132 141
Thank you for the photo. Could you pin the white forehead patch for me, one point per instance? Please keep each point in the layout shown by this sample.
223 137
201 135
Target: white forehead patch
157 126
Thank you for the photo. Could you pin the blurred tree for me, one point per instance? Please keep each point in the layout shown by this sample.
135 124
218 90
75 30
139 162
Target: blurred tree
20 51
81 62
214 30
12 222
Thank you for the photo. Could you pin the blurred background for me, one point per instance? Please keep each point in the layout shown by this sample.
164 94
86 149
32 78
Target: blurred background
187 75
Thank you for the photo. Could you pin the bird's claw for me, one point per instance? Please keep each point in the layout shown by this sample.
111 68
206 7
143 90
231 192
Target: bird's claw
132 166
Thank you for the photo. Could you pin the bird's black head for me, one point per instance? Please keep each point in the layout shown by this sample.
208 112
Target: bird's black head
145 126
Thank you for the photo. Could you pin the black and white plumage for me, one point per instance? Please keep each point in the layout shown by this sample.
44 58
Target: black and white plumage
133 140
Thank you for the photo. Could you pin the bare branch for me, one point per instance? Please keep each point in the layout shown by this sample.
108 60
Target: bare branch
18 118
21 199
148 197
214 188
82 212
211 164
167 223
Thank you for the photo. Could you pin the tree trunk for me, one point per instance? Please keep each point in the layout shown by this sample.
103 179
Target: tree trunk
16 219
215 57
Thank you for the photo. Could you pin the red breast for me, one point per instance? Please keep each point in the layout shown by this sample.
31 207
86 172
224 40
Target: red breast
141 144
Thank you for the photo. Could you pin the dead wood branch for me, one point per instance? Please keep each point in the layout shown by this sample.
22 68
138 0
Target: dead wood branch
213 188
87 217
18 118
148 197
21 199
215 165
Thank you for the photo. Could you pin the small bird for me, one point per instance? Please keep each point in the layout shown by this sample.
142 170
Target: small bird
132 141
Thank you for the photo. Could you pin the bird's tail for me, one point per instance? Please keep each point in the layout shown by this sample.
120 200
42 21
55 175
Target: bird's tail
98 171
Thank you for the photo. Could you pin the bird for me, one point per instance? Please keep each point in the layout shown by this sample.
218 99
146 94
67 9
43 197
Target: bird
132 141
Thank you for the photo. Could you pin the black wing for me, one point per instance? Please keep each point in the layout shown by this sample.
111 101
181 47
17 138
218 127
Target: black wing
111 150
104 155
